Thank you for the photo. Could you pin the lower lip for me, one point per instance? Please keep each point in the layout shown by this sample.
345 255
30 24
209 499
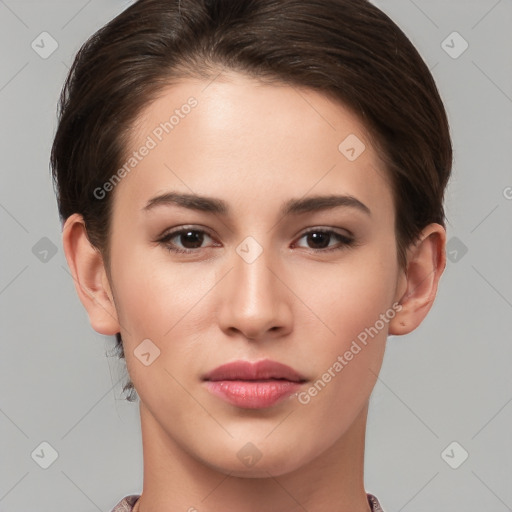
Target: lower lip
253 394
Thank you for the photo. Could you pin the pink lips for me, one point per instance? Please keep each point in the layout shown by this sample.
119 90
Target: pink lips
253 385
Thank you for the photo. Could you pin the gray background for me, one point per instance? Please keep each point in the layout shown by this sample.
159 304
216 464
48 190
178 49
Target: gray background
450 380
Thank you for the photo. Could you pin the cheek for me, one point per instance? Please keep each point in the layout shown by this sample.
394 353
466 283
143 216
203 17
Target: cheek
354 302
154 303
351 296
153 293
347 365
164 303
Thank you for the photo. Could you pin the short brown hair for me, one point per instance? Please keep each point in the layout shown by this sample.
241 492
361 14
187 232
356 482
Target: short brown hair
346 49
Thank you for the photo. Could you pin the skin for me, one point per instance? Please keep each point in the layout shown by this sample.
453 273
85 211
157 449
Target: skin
254 146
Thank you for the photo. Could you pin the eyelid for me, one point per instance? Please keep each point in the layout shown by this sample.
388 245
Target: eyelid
172 232
185 227
329 229
345 240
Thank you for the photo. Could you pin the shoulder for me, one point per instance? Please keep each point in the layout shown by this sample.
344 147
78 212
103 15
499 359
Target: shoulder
126 504
374 503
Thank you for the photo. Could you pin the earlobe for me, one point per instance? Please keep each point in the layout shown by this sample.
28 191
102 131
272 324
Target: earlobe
87 268
426 262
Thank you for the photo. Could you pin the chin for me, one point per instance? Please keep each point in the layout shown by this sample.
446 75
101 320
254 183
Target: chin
251 462
259 470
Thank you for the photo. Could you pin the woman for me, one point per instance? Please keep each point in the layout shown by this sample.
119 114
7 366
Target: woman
252 200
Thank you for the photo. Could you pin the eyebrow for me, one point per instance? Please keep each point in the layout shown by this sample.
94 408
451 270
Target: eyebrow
290 207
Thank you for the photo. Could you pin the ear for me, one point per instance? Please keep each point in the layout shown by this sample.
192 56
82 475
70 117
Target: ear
87 269
426 261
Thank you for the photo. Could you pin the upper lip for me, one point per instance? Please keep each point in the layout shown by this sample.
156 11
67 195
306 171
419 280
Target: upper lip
260 370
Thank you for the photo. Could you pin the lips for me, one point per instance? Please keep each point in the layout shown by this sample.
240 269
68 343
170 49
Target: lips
261 370
253 385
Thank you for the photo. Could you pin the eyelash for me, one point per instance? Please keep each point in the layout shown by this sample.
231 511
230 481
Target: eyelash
345 240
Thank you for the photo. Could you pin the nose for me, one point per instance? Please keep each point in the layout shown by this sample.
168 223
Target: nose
254 301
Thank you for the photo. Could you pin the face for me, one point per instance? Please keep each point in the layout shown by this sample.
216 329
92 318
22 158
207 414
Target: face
260 270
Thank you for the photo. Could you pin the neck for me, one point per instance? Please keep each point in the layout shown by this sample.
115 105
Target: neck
175 480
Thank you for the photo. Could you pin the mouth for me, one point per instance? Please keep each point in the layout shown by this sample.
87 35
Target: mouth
253 385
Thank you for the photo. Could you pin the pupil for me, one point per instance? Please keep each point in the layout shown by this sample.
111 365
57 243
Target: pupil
320 239
192 237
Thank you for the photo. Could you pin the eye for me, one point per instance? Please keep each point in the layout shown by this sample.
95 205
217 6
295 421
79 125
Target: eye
320 240
189 240
184 240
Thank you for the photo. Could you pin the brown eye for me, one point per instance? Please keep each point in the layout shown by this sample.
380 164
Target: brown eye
318 240
185 240
321 240
191 239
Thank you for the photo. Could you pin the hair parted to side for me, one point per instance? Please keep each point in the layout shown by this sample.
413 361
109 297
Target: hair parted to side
347 49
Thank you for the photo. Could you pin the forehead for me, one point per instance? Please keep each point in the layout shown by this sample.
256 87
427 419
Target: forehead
237 138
